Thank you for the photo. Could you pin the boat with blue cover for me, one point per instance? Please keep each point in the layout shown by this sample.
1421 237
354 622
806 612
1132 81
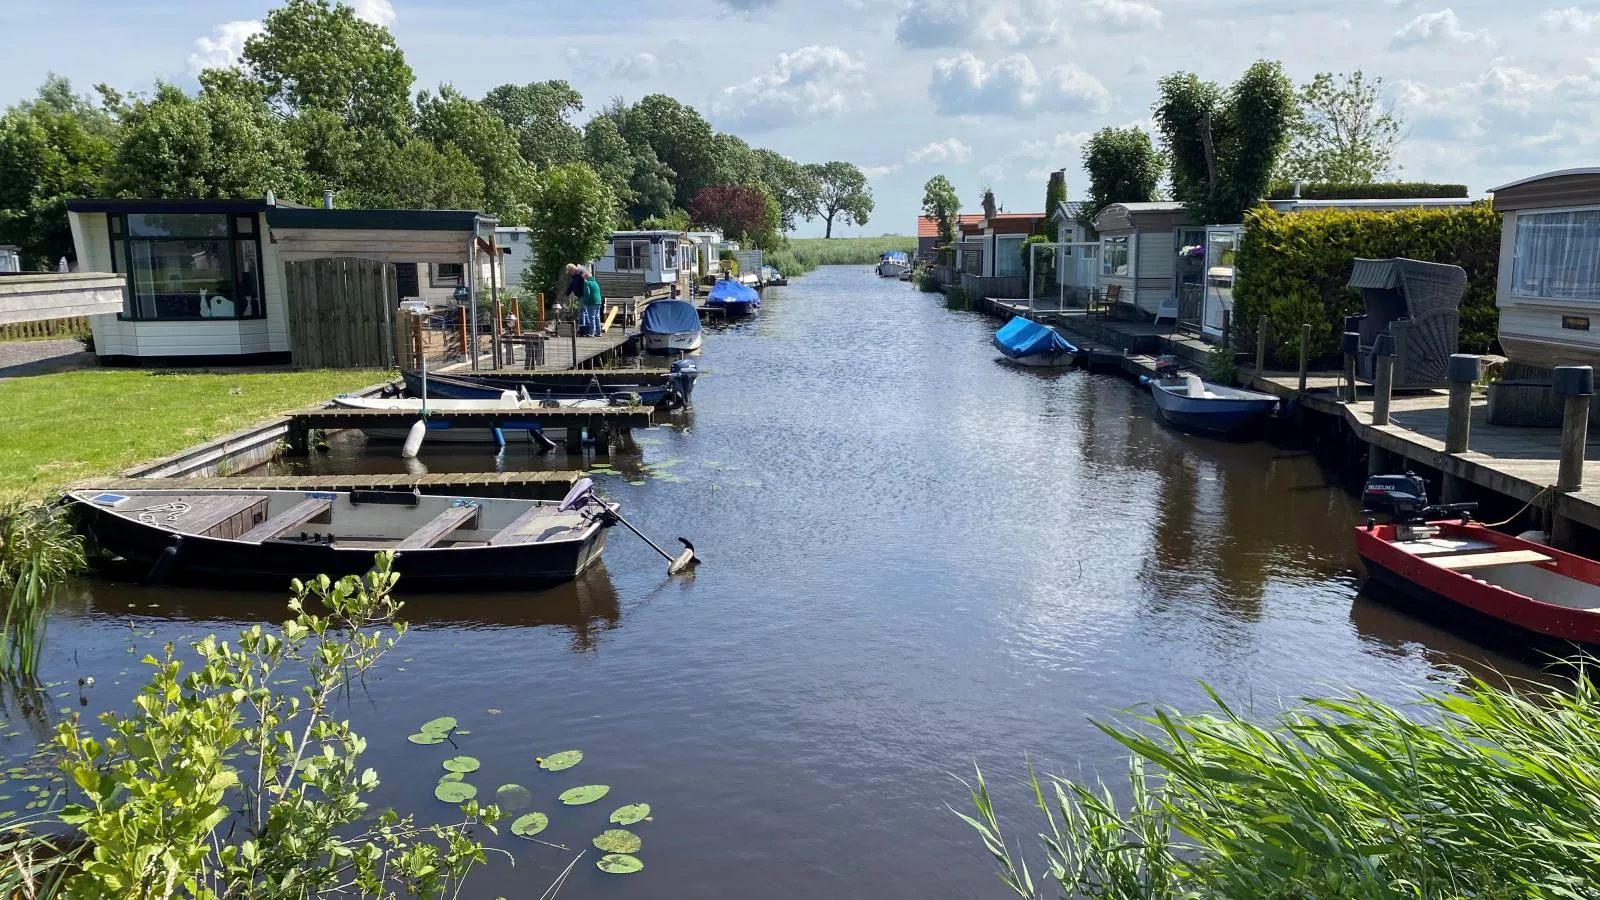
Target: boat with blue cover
733 298
893 264
469 387
1195 405
1028 343
670 326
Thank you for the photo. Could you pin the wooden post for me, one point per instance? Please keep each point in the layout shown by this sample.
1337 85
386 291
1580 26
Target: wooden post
1576 385
463 311
541 310
1382 378
1351 345
1377 460
575 440
1227 326
1261 345
602 438
500 361
1305 353
1463 373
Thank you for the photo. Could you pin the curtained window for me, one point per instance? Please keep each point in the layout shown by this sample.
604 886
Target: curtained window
1557 255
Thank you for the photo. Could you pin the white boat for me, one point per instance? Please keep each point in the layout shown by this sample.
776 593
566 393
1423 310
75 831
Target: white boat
893 264
670 326
508 401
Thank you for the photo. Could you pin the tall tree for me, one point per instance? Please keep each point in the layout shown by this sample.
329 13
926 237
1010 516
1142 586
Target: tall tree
653 187
740 212
1055 193
790 184
211 146
681 138
451 119
1224 145
52 149
540 114
1123 167
736 163
417 175
610 156
941 203
1344 132
842 190
573 214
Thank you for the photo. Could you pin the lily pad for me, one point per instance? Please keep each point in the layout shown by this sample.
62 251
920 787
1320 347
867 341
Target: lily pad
455 791
512 796
423 737
557 762
530 824
461 764
440 726
587 793
619 864
617 840
452 776
630 814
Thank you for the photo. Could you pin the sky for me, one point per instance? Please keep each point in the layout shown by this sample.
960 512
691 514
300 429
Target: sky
990 93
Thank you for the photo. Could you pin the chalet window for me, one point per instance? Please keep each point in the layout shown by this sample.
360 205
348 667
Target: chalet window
1116 256
188 265
632 256
1557 255
445 275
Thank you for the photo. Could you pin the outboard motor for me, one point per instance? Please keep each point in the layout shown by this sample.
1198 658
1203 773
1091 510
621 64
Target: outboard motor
1398 497
681 376
1166 367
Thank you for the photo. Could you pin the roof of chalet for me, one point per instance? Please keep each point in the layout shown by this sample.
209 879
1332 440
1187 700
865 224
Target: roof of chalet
928 226
1588 170
1068 209
286 215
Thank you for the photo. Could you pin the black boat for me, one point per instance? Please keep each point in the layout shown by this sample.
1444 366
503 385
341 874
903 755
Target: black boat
469 387
247 538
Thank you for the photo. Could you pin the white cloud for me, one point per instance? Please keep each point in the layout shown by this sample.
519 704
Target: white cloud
809 84
965 23
948 150
1508 116
1440 27
992 173
1064 145
378 12
873 173
1569 20
1011 86
224 47
1123 15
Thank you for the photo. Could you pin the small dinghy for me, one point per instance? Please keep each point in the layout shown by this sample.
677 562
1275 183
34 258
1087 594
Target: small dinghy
771 277
508 400
1195 405
253 539
670 326
472 387
733 298
1027 343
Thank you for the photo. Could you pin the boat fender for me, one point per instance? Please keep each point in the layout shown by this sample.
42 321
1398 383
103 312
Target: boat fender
166 563
1144 380
499 438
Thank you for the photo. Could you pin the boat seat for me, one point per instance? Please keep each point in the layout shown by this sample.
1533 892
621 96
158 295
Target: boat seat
445 523
290 519
1436 545
1488 560
522 530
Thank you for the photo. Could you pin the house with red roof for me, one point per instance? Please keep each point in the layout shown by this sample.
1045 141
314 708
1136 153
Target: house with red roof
928 232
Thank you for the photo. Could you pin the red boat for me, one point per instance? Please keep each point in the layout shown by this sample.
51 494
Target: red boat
1547 592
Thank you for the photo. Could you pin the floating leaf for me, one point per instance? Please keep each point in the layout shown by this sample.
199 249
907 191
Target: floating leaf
617 840
423 737
452 776
587 793
512 796
530 824
455 791
630 814
619 864
461 764
440 726
557 762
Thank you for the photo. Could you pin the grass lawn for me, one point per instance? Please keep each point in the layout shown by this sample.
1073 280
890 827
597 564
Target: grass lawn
60 428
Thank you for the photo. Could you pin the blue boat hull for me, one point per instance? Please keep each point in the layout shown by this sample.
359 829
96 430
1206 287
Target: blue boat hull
733 308
1054 359
446 387
1223 416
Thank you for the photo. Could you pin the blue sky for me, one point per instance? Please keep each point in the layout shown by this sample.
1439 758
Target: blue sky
989 92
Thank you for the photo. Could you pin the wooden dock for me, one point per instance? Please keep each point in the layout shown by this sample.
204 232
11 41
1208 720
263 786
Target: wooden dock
610 419
651 376
526 485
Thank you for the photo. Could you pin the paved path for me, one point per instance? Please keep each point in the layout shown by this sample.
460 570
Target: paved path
40 357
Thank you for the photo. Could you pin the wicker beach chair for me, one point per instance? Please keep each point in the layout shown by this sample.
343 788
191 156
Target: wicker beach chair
1417 302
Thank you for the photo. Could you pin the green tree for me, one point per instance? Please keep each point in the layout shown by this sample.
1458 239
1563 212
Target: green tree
611 158
1055 194
452 120
418 175
941 203
682 139
540 115
652 187
1224 145
313 54
210 146
736 162
573 215
1123 167
52 149
1343 131
790 184
841 190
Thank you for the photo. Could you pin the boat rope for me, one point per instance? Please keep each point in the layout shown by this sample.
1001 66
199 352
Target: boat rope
174 510
1545 490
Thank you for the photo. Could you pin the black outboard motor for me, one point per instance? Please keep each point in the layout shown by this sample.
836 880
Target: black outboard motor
681 376
1399 497
1166 366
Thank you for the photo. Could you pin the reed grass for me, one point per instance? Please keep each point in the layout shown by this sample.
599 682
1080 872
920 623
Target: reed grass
1489 792
856 251
38 549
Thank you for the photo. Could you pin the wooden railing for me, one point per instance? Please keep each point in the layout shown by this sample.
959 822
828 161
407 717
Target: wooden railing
45 328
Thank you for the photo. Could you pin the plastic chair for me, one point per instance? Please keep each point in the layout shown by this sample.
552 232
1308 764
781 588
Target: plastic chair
1168 310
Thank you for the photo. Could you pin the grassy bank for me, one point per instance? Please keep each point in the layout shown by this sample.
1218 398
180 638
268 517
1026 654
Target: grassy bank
805 254
74 425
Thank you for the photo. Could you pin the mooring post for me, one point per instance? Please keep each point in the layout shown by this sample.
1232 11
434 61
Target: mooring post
1463 374
1227 329
575 440
1382 378
1305 351
1575 384
601 433
1261 345
1350 345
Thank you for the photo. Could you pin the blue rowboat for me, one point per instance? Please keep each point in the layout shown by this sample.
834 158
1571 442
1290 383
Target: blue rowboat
733 298
466 387
1195 405
1027 343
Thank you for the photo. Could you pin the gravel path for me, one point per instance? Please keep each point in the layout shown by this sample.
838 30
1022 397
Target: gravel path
38 357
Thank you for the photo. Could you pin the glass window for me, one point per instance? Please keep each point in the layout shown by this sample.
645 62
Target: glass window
187 266
189 225
1557 255
446 275
1115 256
632 256
245 224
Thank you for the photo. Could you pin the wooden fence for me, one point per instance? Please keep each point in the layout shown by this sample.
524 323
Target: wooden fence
45 328
339 313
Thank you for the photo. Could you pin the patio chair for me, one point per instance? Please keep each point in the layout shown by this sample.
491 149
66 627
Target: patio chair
1168 310
1417 302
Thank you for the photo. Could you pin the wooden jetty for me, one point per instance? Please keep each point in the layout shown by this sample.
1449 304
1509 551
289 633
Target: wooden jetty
526 485
651 376
600 424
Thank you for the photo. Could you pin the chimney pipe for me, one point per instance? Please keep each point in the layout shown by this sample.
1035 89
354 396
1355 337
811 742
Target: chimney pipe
327 199
1297 189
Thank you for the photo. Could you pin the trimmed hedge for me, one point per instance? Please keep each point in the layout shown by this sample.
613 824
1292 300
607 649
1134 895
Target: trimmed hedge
1293 268
1382 190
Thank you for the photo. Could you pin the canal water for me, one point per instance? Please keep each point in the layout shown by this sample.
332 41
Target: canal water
916 558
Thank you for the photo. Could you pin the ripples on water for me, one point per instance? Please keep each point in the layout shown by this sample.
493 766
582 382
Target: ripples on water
916 557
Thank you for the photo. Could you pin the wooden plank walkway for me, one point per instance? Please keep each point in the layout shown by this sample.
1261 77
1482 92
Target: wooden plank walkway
611 418
531 485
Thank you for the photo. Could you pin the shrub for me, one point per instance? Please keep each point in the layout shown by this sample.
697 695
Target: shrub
1382 190
927 283
1293 268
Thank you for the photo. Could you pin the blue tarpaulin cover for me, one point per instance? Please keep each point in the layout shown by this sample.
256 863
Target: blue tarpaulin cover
1024 337
895 256
726 291
670 317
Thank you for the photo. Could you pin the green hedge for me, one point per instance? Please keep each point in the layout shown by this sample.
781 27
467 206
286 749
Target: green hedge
1293 268
1383 190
